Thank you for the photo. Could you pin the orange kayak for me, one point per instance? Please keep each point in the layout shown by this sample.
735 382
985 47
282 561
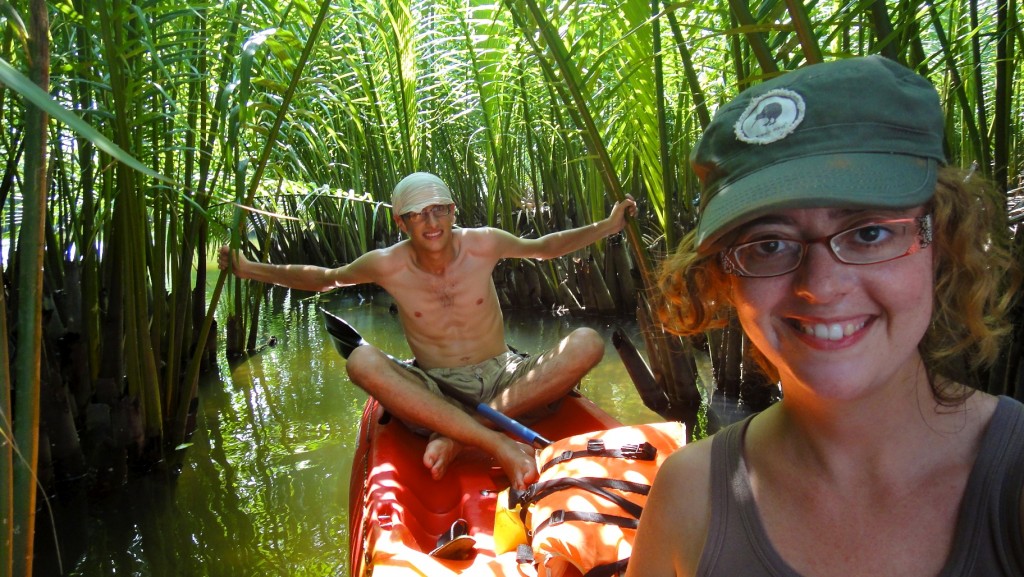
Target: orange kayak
397 511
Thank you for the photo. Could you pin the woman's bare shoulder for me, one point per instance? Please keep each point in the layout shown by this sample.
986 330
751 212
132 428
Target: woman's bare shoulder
683 485
687 473
674 524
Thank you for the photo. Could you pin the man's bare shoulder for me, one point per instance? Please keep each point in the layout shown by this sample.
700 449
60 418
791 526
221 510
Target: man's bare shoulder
478 233
376 265
485 240
398 250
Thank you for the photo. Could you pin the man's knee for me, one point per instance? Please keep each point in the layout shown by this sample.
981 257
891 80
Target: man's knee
586 344
364 362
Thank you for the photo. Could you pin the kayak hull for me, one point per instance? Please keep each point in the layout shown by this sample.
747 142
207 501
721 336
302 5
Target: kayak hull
397 511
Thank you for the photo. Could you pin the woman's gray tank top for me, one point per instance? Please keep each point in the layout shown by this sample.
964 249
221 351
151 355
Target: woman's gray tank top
988 540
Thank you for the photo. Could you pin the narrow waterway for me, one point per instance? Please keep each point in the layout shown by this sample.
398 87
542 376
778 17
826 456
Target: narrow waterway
262 486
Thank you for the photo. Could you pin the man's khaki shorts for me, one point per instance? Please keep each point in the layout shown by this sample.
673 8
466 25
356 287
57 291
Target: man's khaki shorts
482 382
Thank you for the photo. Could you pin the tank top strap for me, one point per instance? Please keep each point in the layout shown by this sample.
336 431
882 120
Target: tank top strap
726 452
737 543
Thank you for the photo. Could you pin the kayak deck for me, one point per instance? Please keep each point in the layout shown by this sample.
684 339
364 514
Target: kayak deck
397 511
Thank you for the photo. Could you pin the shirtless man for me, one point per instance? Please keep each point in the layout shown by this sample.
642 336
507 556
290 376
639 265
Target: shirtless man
440 277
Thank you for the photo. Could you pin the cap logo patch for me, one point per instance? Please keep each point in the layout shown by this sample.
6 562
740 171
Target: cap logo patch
770 117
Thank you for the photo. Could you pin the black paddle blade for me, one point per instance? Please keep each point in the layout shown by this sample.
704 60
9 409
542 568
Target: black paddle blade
651 393
343 335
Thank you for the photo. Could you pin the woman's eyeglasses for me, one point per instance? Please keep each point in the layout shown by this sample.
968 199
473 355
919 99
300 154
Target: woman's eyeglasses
437 210
870 243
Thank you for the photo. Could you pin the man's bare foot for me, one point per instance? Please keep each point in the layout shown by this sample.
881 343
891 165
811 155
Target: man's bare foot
519 463
518 460
440 453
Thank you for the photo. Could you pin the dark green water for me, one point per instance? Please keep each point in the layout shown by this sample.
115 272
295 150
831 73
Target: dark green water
263 482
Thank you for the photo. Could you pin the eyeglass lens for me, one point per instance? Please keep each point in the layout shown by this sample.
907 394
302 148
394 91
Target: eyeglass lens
438 210
865 244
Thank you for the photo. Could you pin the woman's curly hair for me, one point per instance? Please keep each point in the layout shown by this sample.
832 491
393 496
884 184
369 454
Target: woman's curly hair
976 282
977 278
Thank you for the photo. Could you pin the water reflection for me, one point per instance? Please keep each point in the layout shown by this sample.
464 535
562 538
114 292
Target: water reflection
262 487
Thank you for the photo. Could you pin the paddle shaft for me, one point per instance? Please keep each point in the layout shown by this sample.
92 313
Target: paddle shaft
346 338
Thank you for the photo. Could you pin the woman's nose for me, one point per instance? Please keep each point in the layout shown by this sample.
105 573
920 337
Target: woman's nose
821 277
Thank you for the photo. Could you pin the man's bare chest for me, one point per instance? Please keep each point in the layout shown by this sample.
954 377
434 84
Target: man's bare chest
428 293
443 292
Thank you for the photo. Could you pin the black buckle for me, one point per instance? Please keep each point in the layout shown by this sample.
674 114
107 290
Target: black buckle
595 445
642 452
556 518
523 497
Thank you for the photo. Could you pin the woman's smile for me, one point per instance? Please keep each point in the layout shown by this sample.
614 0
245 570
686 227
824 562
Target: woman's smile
830 330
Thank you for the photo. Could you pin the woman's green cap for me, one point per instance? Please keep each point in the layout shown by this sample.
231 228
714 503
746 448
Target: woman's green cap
856 133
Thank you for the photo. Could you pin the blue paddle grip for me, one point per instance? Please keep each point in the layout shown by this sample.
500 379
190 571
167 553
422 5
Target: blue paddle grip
515 427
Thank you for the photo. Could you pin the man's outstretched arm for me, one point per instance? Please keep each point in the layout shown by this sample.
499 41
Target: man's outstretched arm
297 276
560 243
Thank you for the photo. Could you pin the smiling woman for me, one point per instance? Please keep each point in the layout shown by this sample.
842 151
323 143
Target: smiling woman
825 325
867 276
